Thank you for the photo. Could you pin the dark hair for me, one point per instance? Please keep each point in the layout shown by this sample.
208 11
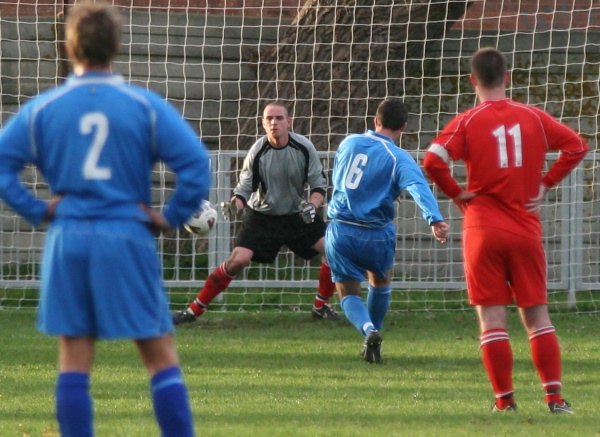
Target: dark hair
93 32
488 65
392 114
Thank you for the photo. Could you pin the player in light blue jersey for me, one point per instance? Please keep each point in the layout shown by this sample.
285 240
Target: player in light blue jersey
369 173
96 140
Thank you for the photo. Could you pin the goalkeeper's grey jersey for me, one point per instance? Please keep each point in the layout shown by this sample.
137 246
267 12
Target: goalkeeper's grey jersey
273 180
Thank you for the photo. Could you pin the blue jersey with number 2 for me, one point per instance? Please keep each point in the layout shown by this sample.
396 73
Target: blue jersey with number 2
96 140
369 173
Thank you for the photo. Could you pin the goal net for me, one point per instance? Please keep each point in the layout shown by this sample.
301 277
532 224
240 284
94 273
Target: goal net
331 62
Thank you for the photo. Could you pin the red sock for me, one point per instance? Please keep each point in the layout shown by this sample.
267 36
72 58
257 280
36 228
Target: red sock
326 286
216 282
498 361
545 351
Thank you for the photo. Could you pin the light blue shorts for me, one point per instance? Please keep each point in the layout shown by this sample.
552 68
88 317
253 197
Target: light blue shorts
102 279
352 250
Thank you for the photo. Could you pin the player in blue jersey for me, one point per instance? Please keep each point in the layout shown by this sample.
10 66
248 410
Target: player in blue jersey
369 173
96 140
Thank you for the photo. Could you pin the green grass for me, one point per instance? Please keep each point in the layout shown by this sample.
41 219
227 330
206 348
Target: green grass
301 299
281 374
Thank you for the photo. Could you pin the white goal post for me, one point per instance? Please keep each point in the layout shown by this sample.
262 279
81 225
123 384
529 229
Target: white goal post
330 60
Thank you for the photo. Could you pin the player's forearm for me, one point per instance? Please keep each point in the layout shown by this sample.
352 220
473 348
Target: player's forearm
316 198
562 167
422 195
243 190
20 199
440 174
193 185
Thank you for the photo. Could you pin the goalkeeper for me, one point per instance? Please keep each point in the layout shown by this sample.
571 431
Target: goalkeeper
271 191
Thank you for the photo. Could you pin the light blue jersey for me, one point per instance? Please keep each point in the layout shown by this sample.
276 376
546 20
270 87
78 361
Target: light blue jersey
96 141
369 174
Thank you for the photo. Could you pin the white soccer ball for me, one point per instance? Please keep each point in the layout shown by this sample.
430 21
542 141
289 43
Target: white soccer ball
203 220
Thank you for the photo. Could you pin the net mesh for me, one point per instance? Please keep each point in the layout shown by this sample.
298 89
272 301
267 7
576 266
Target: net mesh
332 62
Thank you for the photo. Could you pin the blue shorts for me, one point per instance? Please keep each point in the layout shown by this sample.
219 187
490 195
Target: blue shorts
102 278
352 250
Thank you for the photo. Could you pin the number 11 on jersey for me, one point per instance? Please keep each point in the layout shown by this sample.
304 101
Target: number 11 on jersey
515 133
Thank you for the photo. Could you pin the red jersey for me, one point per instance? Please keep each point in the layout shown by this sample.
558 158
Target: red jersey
504 145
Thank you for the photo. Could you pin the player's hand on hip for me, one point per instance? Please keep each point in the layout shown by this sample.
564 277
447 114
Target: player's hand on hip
229 209
52 204
157 223
440 231
535 203
462 200
308 213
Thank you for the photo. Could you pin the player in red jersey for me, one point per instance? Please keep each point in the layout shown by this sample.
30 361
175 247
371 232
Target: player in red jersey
503 144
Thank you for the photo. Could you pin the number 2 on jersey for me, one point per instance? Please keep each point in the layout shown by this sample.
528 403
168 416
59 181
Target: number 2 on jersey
355 173
515 133
88 122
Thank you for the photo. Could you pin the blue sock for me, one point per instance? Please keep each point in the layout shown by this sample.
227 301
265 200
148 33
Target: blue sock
356 311
378 302
74 405
171 403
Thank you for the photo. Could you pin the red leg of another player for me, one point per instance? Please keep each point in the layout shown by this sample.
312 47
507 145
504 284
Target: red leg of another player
216 282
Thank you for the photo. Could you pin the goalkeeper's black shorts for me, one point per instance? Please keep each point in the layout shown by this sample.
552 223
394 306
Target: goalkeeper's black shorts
266 234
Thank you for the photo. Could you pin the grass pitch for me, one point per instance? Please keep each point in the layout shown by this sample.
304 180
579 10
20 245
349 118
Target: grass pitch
281 374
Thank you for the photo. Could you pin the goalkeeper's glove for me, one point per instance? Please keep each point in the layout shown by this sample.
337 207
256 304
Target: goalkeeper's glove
229 209
308 213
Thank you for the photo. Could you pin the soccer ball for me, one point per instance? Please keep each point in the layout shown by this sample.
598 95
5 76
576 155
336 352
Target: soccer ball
203 220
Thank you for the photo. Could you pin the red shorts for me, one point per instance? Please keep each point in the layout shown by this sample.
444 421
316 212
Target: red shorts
502 268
